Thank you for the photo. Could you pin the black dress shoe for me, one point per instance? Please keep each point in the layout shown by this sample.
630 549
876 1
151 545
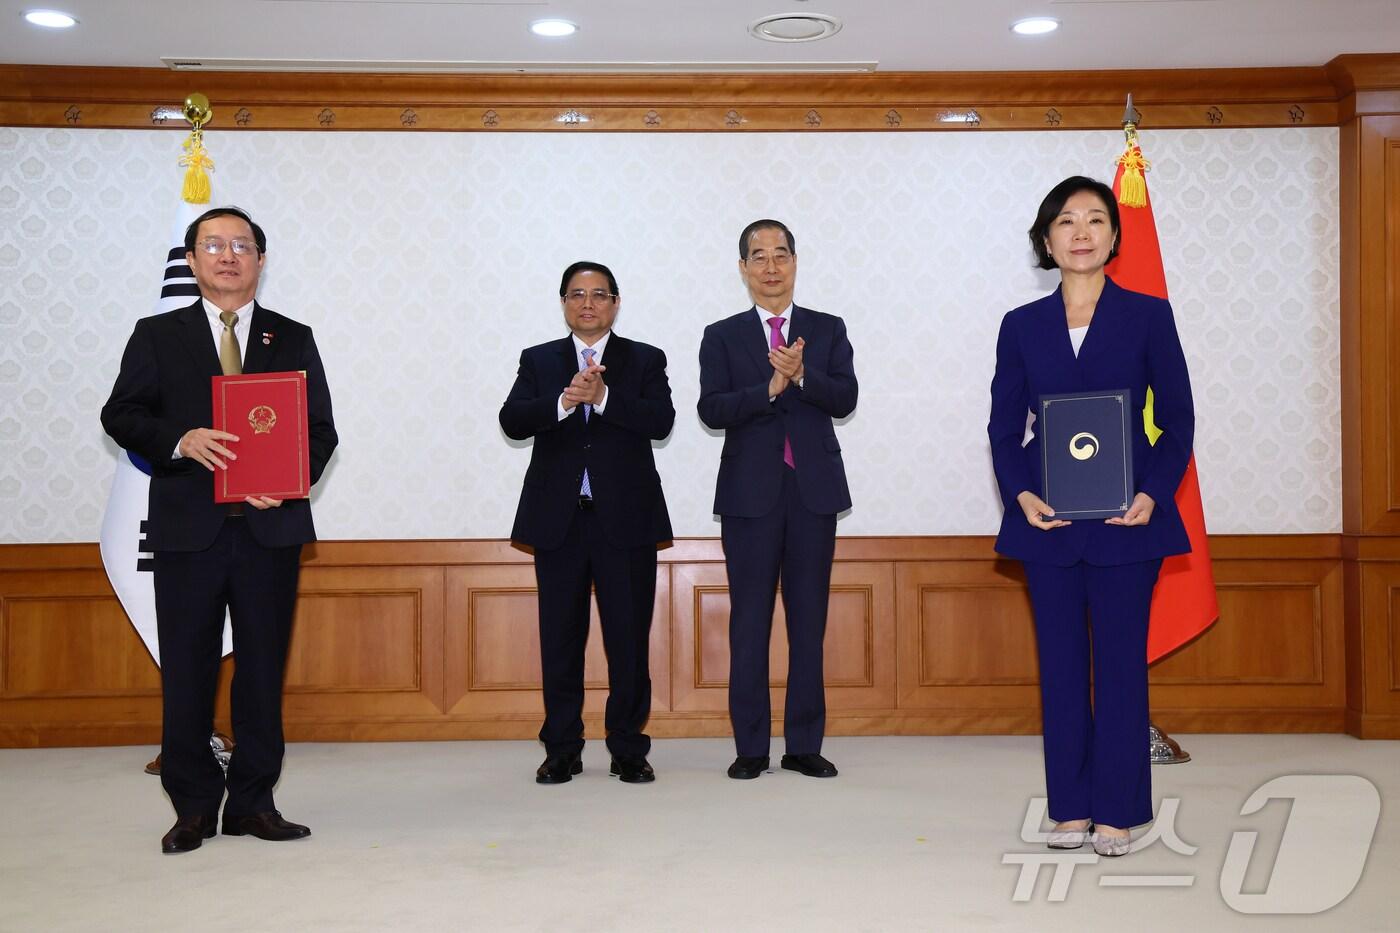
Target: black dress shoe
269 826
188 833
558 769
632 770
748 767
810 765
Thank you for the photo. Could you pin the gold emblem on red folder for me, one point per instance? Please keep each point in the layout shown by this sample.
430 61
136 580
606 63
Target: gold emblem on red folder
262 418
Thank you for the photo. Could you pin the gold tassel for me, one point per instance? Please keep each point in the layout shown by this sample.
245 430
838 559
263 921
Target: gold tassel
197 164
1132 191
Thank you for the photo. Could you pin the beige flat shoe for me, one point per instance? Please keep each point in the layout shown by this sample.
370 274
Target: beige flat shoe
1069 838
1111 846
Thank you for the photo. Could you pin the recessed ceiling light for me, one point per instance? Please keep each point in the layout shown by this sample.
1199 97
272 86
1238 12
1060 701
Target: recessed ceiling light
553 28
795 27
1035 26
53 19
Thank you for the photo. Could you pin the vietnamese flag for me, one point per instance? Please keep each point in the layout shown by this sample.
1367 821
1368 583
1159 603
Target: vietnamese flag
1184 603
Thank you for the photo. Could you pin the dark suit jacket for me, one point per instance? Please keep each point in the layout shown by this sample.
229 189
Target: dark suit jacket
164 390
734 374
1131 343
613 445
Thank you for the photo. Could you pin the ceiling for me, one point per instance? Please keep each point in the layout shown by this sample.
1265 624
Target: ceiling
896 35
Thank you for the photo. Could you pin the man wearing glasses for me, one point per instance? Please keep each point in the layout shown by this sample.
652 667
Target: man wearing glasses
211 558
773 378
593 512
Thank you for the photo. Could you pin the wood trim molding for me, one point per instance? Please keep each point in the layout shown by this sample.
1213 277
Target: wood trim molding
87 97
485 552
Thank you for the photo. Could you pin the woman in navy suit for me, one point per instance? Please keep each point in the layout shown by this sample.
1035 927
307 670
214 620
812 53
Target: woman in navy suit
1091 582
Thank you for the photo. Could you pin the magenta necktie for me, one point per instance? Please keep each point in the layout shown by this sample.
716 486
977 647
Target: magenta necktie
775 340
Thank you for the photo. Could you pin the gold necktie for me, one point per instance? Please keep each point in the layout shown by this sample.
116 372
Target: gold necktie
230 355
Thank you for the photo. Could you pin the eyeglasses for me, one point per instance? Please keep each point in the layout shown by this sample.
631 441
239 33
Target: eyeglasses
214 246
780 258
598 295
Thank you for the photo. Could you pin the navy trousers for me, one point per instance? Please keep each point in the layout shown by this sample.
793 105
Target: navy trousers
625 582
258 587
794 546
1097 763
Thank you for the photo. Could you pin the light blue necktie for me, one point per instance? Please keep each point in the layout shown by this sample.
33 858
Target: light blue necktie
588 353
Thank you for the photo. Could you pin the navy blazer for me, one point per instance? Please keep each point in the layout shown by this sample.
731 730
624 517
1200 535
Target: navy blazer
614 445
164 389
734 374
1132 343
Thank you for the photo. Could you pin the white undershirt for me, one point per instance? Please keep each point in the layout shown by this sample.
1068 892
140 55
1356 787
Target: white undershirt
1076 338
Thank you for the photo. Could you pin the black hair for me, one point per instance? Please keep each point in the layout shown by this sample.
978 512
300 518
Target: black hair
1054 203
587 266
758 225
259 238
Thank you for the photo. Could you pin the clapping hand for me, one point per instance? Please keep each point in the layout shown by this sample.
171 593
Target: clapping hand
586 388
787 366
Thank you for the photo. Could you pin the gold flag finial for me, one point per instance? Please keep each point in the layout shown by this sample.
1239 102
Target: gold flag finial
196 160
1132 192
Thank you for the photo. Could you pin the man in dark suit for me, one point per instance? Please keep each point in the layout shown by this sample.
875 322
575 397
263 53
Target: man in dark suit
211 558
773 378
593 511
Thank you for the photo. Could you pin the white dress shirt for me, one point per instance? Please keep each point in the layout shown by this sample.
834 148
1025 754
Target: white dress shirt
216 329
579 347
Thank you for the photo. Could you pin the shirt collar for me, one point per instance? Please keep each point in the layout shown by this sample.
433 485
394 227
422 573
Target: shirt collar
245 313
580 346
765 315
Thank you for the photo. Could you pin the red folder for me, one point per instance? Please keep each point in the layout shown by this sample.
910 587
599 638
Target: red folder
268 413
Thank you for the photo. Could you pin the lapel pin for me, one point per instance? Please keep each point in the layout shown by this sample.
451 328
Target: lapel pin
267 338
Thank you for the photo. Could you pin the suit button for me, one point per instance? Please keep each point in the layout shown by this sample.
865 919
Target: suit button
587 446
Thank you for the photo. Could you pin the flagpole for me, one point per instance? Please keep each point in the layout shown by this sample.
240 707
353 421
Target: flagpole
128 565
1162 748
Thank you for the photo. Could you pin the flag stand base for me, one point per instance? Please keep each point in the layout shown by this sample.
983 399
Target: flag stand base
1163 749
220 744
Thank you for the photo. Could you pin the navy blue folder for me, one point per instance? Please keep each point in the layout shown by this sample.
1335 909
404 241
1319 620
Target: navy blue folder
1086 454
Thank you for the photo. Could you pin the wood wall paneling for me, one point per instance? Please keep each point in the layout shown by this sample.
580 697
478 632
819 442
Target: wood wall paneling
492 653
859 645
1370 205
1276 658
72 669
423 639
1369 118
1387 277
366 647
1374 707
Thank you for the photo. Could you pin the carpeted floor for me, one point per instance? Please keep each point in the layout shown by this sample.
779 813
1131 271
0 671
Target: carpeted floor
916 834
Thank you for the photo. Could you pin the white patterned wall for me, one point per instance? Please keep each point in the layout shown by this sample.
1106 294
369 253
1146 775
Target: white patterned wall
426 261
